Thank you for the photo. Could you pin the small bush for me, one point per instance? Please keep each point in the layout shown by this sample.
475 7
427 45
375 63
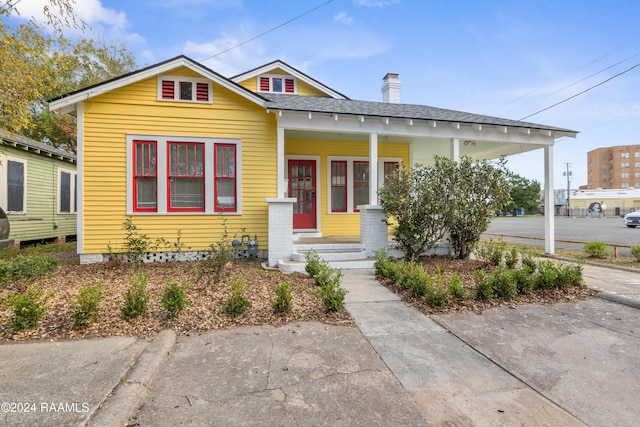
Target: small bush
436 292
503 283
530 262
328 275
523 279
635 252
456 288
546 276
236 303
332 297
511 258
282 301
87 303
315 264
28 308
174 298
491 252
484 285
569 275
596 249
136 299
415 279
26 267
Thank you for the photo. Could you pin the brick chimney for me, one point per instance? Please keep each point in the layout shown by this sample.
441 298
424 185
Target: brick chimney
391 88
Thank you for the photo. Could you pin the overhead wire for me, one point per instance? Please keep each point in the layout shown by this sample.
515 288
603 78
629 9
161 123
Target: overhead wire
268 31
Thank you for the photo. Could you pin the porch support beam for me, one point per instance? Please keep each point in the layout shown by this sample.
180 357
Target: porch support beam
549 232
455 149
282 186
373 169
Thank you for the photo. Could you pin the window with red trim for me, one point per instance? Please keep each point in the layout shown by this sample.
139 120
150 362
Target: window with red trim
145 195
360 184
390 169
225 178
276 84
338 186
185 180
184 89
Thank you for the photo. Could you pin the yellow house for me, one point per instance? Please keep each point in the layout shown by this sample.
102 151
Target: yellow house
277 154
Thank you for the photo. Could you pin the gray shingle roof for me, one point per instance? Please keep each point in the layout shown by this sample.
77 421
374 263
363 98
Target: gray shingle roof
316 104
27 142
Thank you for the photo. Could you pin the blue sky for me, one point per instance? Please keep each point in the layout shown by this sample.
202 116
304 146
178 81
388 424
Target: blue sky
502 58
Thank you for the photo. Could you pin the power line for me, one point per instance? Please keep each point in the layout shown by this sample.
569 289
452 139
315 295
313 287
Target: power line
268 31
580 93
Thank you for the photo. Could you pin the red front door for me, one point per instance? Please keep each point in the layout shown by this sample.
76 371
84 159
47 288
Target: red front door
302 186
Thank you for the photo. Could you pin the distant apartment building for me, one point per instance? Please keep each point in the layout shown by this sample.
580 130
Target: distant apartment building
614 167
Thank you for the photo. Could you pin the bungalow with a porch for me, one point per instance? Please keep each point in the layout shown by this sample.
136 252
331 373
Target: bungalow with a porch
282 156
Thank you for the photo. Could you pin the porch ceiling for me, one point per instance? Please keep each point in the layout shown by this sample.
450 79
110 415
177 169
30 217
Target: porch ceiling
423 148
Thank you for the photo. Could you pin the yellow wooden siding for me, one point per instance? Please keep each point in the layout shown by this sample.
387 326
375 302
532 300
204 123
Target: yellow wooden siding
340 224
304 88
134 109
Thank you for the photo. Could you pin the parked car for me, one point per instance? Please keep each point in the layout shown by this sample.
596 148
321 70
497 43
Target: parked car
5 241
632 219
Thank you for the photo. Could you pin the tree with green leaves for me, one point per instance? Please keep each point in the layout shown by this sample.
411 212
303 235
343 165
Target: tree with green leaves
458 198
524 193
38 66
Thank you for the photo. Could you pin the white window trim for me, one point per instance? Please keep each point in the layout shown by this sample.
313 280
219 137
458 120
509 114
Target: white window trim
161 172
176 80
72 191
350 160
4 196
277 76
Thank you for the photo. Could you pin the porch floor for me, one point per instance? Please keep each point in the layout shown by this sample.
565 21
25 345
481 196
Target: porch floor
331 240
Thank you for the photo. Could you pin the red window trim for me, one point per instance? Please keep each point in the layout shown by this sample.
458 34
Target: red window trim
345 186
136 143
384 170
169 176
355 207
265 84
216 208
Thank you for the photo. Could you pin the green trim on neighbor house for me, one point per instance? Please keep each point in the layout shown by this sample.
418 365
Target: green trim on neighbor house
45 177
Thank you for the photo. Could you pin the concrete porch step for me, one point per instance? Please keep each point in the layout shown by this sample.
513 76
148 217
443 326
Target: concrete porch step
328 247
333 255
298 266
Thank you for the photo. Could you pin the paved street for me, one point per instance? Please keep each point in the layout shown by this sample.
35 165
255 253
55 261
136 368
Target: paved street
610 230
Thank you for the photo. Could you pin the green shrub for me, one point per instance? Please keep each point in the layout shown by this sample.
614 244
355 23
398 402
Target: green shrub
530 262
174 298
136 299
217 256
236 303
456 288
415 278
484 285
524 280
547 275
511 258
569 275
315 264
26 267
491 252
87 303
328 275
436 292
28 308
332 296
503 283
136 245
596 249
282 301
635 252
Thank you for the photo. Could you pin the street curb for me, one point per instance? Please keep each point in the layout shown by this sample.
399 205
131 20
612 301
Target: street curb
619 299
123 402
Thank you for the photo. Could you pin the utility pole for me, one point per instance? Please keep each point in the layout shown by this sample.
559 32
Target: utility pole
568 175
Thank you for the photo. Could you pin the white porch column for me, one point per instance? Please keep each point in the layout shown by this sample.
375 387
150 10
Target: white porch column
455 149
280 238
280 170
549 232
373 169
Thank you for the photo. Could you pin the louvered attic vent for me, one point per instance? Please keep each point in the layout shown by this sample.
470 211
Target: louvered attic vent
277 84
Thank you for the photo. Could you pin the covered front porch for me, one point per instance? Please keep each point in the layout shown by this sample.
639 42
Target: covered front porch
322 142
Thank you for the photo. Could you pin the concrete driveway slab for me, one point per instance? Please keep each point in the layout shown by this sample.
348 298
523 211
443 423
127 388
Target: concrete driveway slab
303 374
583 356
62 382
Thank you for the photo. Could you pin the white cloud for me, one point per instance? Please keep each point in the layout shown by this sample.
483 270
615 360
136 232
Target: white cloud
343 18
229 63
375 3
90 11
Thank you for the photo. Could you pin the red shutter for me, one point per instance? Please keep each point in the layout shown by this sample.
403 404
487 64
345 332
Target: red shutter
289 86
202 92
264 84
168 89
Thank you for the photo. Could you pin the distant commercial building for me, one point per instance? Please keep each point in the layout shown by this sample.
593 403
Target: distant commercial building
603 202
614 167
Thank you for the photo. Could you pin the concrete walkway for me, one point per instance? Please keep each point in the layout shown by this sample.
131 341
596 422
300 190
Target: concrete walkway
450 382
